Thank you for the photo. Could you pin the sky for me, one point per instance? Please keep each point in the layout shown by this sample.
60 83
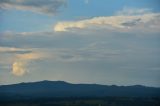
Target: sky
111 42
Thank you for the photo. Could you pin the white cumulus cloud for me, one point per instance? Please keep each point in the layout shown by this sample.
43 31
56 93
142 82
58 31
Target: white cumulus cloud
19 68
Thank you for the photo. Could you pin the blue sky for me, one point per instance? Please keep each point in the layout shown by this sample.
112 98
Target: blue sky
80 41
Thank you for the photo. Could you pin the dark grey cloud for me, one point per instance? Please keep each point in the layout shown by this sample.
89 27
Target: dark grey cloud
131 23
39 6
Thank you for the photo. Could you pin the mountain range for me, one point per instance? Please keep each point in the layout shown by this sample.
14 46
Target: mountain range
46 88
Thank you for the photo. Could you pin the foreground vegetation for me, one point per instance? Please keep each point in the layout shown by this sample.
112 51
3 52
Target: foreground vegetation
107 101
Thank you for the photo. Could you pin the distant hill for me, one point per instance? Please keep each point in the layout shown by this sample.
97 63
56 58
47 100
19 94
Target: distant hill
44 89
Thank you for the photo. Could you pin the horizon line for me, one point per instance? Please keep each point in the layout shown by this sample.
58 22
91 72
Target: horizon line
80 83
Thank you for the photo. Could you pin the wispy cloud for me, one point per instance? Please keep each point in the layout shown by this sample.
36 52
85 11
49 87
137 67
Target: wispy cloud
38 6
14 50
29 56
86 1
133 11
120 21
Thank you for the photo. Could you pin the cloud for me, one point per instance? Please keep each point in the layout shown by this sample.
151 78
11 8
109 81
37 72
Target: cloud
30 39
14 50
19 68
131 23
86 1
50 7
19 58
134 11
89 53
29 56
121 22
